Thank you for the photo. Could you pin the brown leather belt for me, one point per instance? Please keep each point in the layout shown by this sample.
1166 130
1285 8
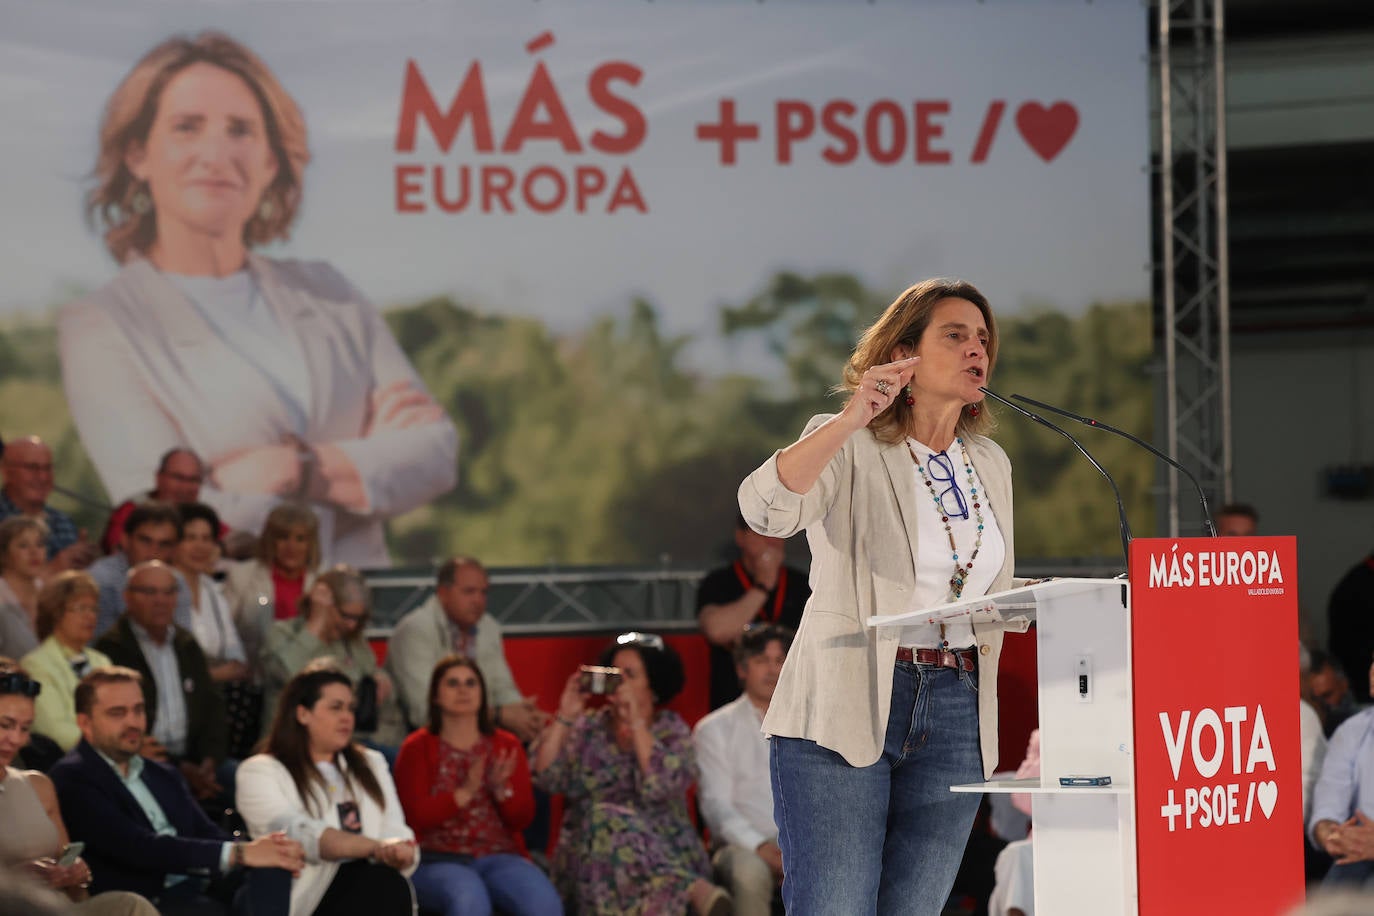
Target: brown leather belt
940 658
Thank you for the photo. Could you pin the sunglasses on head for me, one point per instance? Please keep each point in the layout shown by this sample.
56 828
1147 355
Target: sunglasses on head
21 684
650 640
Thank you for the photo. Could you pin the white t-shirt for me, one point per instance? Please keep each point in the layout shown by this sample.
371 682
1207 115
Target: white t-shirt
242 318
935 562
213 625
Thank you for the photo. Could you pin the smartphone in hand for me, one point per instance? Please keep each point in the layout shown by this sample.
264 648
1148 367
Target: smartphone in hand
70 853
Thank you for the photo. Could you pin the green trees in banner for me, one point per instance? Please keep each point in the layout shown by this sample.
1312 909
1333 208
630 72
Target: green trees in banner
606 445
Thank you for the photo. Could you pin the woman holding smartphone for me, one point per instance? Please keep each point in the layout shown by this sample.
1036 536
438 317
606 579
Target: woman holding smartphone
627 845
34 840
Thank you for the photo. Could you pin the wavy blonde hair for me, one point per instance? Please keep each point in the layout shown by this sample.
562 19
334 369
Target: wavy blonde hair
128 119
904 322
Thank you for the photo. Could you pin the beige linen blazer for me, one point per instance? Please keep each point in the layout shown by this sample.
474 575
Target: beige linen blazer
860 520
143 372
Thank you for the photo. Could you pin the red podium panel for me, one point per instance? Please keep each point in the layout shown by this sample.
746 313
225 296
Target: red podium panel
1218 771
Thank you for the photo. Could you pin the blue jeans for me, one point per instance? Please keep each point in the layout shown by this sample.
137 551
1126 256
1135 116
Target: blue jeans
510 882
885 838
1352 874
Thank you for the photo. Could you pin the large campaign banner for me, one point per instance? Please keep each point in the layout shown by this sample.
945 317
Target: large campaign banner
543 280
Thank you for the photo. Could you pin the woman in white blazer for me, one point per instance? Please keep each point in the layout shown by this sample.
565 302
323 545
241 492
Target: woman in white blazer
335 798
280 373
905 506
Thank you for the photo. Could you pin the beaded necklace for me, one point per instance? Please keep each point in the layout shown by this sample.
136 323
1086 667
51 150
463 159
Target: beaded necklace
961 570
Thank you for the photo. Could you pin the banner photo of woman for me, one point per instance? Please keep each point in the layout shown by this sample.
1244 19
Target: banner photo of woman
546 277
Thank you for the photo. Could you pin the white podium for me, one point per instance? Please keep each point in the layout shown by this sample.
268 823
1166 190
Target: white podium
1084 838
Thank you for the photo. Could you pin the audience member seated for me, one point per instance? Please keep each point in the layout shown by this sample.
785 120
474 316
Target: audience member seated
185 709
1351 625
335 798
27 468
333 620
1014 892
270 586
142 829
213 625
756 588
455 619
22 561
66 623
465 788
1330 691
151 532
1342 799
34 835
21 896
179 476
735 790
1237 520
627 846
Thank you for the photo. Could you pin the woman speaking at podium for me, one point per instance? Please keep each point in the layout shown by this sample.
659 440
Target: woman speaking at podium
905 506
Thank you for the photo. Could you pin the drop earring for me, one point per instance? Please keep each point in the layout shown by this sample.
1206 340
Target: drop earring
266 208
910 398
141 203
973 410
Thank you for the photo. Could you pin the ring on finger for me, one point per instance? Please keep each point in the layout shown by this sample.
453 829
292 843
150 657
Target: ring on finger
883 386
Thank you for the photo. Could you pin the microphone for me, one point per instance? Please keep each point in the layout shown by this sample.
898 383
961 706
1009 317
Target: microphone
1125 525
1208 528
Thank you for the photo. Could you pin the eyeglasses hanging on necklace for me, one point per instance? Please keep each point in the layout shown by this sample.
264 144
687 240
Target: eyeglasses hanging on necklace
941 470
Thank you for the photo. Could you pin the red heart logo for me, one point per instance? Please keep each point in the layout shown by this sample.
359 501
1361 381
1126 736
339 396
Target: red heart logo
1047 130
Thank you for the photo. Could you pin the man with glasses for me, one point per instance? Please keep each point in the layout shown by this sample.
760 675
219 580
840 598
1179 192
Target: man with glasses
28 471
756 588
151 532
187 724
179 476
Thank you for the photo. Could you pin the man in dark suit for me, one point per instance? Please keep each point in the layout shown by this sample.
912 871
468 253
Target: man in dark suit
186 712
142 829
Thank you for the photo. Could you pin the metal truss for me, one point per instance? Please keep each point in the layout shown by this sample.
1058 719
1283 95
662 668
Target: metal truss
558 601
1195 294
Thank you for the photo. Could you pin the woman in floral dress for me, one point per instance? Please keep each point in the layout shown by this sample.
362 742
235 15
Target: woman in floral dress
627 846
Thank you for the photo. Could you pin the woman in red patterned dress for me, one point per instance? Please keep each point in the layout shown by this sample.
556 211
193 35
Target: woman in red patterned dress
465 788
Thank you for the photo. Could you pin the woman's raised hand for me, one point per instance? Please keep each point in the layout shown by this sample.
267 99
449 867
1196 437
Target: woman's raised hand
572 702
477 773
500 768
321 618
879 387
629 708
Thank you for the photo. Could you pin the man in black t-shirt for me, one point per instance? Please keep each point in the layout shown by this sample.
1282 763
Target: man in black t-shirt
755 588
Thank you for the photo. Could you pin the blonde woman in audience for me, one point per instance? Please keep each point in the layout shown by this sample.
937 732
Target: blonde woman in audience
34 835
23 554
270 586
67 610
